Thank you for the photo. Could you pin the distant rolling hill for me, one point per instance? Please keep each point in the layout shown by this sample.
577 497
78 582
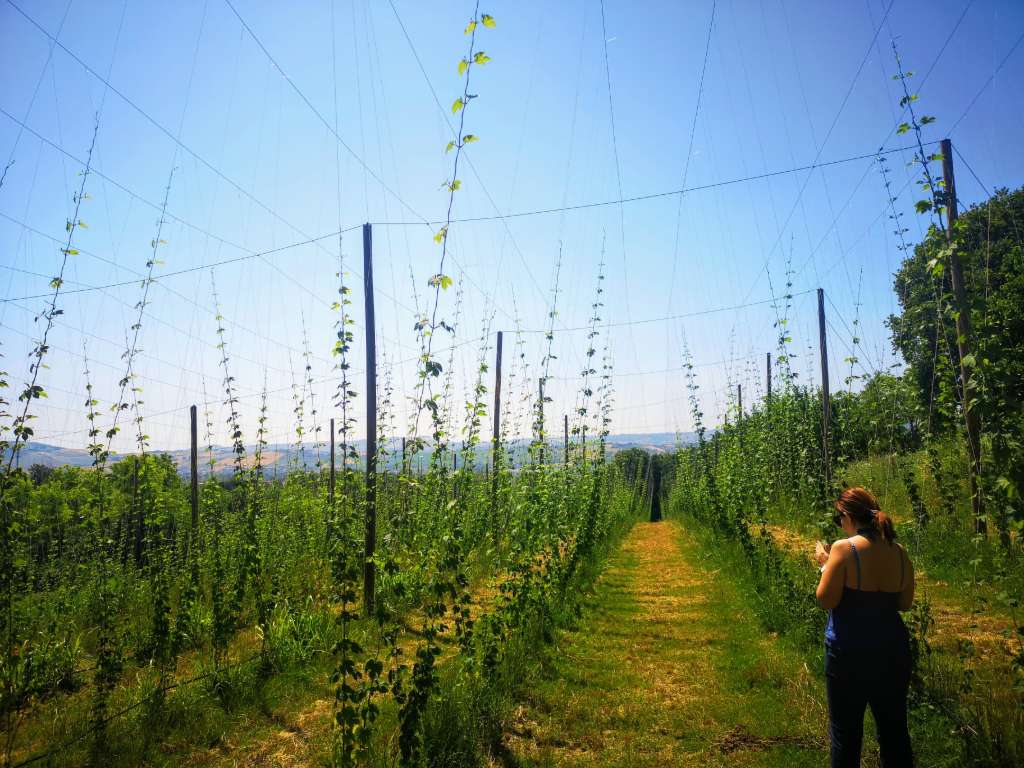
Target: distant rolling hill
280 458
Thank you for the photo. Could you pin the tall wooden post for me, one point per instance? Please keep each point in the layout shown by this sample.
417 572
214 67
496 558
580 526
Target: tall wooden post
649 490
739 413
496 437
332 476
540 417
566 437
826 409
194 470
402 487
768 376
369 570
140 514
963 340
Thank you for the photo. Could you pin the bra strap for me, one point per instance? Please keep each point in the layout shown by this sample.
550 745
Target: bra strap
856 558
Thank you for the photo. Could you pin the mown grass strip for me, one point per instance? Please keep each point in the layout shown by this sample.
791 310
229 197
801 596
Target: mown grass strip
668 666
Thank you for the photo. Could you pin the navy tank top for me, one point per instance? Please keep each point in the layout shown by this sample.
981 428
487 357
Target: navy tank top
866 620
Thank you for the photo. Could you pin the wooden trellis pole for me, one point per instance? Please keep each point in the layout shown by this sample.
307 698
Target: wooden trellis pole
496 437
972 422
826 409
194 469
370 542
540 417
566 438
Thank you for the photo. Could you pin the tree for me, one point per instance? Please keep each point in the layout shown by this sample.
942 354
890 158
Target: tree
989 241
883 417
40 473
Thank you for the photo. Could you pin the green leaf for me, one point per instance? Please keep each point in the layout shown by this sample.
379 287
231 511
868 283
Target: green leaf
488 21
456 106
440 281
927 119
481 58
921 206
903 128
463 66
470 27
469 138
450 147
440 234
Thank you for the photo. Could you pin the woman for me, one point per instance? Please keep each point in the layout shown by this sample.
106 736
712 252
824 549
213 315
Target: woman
866 580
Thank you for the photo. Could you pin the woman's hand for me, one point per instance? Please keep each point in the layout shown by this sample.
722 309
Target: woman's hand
821 551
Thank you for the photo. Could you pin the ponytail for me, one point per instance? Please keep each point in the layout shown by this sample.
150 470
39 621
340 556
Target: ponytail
860 505
883 524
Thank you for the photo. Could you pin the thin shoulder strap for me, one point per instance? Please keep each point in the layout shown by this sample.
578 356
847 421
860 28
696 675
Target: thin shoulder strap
856 559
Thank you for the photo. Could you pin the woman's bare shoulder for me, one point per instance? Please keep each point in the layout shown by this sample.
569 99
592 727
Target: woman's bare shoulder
841 547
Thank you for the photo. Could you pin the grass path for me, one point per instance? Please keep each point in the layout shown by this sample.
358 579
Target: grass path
667 668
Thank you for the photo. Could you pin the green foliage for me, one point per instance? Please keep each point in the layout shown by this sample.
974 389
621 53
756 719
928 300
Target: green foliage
765 471
990 251
112 582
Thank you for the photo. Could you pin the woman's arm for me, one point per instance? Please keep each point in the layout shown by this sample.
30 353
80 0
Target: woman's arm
830 588
907 593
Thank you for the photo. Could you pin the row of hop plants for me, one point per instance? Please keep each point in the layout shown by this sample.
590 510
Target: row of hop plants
741 481
769 467
91 619
112 576
115 594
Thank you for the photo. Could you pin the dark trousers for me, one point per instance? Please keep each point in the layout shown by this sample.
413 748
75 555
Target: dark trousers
877 679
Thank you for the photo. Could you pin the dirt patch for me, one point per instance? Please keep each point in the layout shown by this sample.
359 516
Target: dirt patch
740 739
792 542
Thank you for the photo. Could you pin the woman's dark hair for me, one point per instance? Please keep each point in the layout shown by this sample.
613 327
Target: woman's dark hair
860 505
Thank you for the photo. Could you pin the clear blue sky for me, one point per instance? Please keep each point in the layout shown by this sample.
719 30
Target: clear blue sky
786 82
